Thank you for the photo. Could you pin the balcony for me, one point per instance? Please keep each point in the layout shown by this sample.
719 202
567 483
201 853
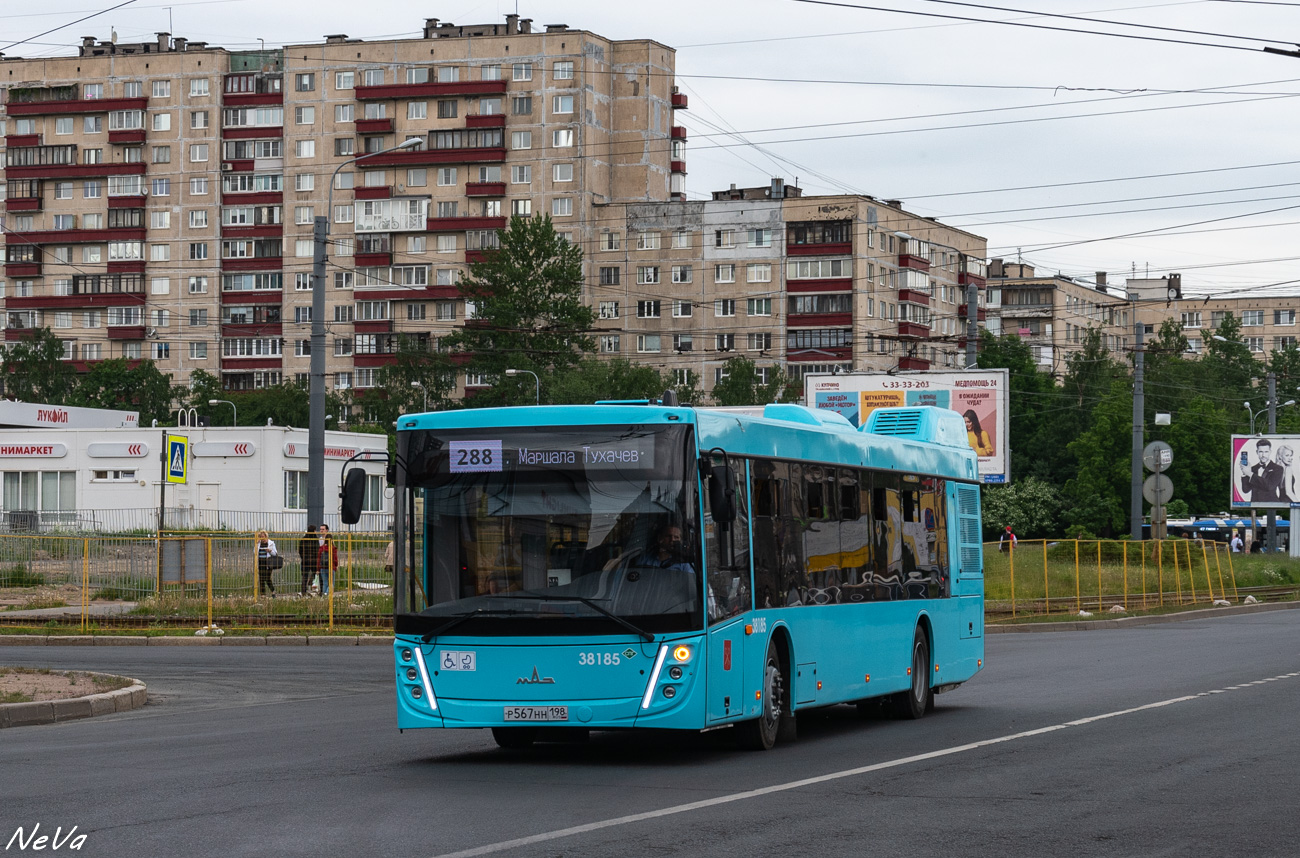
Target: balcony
23 269
251 329
378 193
246 296
678 132
420 157
677 166
369 260
126 332
472 256
378 326
74 171
23 204
980 313
915 263
374 126
83 236
913 363
252 198
14 334
460 224
76 105
22 140
485 189
430 90
911 296
819 320
135 202
826 284
680 102
265 230
255 263
126 266
913 331
819 355
260 132
486 120
244 364
126 137
251 99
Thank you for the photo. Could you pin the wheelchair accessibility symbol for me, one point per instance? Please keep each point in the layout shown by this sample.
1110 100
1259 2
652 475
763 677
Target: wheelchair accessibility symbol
458 660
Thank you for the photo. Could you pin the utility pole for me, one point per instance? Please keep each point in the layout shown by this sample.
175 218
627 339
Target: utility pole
316 384
1135 498
972 323
1270 541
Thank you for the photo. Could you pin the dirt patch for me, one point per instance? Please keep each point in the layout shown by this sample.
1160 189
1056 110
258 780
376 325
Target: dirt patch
25 685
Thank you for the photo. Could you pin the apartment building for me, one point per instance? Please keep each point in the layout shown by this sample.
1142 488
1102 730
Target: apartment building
159 197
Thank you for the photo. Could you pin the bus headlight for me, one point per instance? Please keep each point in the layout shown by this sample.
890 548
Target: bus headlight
406 655
682 653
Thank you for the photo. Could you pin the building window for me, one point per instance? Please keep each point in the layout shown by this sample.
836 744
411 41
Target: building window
610 343
304 82
758 272
759 237
647 275
521 105
758 342
724 307
562 104
1252 318
1284 317
199 87
758 306
724 273
521 140
198 351
521 208
562 70
417 110
647 309
681 274
647 343
609 275
562 138
562 207
198 152
523 71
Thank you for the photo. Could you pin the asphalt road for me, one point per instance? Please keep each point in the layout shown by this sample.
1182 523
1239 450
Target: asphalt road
276 751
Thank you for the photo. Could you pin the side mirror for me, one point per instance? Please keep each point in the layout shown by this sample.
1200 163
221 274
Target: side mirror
353 495
722 495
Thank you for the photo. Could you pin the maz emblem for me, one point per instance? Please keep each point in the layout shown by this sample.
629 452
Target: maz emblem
535 679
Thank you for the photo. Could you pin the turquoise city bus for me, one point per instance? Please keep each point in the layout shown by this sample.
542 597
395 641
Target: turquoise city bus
641 565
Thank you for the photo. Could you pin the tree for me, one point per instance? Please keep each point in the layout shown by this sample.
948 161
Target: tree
742 385
1037 433
1032 507
35 371
1099 491
593 380
529 312
115 383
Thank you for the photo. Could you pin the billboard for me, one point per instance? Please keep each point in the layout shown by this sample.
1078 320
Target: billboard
1265 471
981 396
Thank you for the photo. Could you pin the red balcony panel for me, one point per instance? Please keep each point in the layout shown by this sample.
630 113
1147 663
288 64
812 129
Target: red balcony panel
80 105
248 99
126 332
916 263
83 365
126 137
486 120
435 156
231 364
260 198
677 166
271 131
485 189
12 140
261 263
12 334
267 230
979 313
133 266
381 327
244 165
967 279
371 259
268 296
381 193
472 256
262 329
127 202
912 296
26 204
374 126
680 102
838 249
62 302
457 224
912 329
434 90
820 355
374 360
678 132
443 292
22 269
403 294
819 320
836 284
80 236
74 171
913 363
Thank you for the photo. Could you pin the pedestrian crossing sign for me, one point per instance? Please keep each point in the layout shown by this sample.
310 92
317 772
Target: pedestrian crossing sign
178 458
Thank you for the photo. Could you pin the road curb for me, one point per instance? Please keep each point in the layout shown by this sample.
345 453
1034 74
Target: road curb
51 711
1129 622
249 640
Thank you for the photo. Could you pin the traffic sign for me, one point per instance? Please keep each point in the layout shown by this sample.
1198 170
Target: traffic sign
178 458
1157 456
1158 489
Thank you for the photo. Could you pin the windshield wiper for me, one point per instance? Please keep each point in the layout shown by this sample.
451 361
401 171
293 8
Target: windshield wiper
590 603
456 621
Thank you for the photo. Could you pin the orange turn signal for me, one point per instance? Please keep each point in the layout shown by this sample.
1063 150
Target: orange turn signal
749 628
819 685
758 695
936 668
866 678
682 653
909 671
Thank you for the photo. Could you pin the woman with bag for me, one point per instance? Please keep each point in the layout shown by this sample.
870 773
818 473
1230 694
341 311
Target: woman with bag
268 559
309 556
329 559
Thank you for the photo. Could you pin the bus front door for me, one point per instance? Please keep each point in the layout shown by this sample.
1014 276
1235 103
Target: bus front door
726 664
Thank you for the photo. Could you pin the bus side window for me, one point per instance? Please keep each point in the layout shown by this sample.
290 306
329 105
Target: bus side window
822 537
767 509
887 535
855 537
729 592
793 521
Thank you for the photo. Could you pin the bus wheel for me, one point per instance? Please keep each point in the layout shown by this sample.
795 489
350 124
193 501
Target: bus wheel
760 734
918 699
515 737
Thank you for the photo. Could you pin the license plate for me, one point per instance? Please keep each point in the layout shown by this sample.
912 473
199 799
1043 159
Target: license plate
536 713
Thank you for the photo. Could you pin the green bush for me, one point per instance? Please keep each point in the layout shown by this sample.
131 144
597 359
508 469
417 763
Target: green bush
18 575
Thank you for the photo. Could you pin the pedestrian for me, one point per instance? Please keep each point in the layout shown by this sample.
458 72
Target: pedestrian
309 555
1235 544
1008 540
268 558
328 558
388 558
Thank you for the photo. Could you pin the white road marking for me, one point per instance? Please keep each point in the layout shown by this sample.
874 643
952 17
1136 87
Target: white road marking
518 842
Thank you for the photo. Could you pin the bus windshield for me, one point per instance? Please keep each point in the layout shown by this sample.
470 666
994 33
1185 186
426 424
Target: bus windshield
555 530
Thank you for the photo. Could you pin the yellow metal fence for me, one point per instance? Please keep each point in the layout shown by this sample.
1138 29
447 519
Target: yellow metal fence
208 579
1094 576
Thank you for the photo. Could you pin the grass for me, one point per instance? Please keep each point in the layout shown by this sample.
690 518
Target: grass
18 575
93 684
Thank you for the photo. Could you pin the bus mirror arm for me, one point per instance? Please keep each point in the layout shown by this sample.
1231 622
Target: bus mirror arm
352 493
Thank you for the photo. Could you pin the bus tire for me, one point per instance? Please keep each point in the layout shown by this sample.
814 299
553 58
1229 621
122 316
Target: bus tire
515 738
761 733
918 699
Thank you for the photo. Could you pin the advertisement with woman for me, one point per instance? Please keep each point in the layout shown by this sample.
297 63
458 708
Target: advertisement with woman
1265 471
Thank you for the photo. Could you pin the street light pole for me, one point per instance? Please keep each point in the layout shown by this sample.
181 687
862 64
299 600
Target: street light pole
537 383
316 389
1271 539
426 393
234 420
1139 406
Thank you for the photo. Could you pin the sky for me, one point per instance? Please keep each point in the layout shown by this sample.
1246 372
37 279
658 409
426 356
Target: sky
1169 150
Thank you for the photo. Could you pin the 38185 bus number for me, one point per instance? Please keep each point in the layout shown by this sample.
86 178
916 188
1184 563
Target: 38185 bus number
593 659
